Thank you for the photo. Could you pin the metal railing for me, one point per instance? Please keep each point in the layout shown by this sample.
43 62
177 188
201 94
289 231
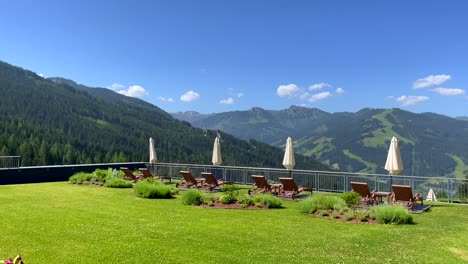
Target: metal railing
323 181
10 161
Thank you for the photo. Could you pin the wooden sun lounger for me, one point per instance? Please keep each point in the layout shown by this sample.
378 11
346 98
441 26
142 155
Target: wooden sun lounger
189 181
290 188
147 174
211 182
129 174
403 194
367 197
261 185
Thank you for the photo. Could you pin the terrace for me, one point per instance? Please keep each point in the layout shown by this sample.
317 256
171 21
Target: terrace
57 222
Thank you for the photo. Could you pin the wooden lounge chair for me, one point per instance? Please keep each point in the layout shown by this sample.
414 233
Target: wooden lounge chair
147 174
211 182
403 194
129 174
367 197
290 188
261 185
189 181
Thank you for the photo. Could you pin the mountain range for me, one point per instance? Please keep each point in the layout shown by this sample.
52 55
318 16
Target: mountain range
57 121
431 144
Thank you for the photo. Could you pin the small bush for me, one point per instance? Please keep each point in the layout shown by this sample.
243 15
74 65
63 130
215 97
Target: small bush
319 202
80 177
391 214
335 214
229 187
100 175
362 215
352 199
118 183
227 198
349 216
208 199
147 189
192 197
271 201
323 212
343 210
247 201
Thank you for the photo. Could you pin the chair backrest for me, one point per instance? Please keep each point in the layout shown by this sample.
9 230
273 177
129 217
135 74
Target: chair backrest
362 188
289 185
403 193
128 173
188 177
146 173
261 182
210 178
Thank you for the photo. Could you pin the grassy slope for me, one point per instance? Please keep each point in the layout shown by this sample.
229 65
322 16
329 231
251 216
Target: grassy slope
378 138
371 167
62 223
460 169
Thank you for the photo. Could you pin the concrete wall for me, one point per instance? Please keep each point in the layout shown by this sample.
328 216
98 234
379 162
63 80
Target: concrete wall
56 173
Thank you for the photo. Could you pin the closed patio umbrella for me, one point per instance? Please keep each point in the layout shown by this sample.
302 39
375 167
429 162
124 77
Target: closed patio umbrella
152 152
217 160
288 160
393 164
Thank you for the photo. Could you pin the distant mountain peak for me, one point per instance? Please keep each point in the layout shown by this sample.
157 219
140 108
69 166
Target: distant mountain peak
60 80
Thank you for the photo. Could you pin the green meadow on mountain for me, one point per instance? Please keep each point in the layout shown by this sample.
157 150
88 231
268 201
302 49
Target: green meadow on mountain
431 144
56 121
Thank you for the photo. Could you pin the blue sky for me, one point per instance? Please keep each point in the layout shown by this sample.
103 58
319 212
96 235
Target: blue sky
216 56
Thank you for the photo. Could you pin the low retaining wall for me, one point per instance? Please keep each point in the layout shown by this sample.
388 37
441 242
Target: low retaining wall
56 173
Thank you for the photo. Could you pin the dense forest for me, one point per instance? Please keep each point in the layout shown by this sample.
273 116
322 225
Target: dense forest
56 121
431 144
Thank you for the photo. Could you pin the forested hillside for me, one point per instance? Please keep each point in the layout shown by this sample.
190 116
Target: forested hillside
56 121
431 144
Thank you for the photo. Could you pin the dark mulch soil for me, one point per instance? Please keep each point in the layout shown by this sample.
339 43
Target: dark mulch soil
236 205
342 218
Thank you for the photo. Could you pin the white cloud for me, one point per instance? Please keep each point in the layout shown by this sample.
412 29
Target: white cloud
134 91
164 99
448 91
431 81
240 95
228 101
290 90
189 96
116 86
304 96
411 100
319 86
319 96
339 90
42 75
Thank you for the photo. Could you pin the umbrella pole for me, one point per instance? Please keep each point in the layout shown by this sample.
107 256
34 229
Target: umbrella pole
290 173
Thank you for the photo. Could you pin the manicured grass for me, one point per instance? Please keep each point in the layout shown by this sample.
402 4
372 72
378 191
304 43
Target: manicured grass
65 223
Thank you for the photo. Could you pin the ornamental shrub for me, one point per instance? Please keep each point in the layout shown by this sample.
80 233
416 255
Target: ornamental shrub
319 202
80 177
352 199
148 189
118 183
391 214
271 201
192 197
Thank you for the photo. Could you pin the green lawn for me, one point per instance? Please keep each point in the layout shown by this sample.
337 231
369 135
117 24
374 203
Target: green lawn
63 223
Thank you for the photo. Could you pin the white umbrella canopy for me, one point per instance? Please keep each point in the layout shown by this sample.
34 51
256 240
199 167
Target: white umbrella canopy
217 159
431 196
153 158
394 164
288 161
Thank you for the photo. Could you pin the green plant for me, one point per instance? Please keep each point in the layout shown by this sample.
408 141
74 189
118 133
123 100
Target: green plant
352 199
118 183
391 214
230 187
323 212
343 210
148 189
349 216
318 202
208 199
362 215
227 198
100 175
80 177
247 201
271 201
192 197
335 214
